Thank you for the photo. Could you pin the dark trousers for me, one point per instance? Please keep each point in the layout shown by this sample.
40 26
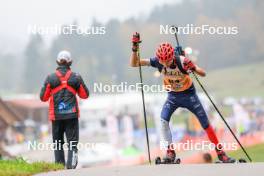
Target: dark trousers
71 128
187 99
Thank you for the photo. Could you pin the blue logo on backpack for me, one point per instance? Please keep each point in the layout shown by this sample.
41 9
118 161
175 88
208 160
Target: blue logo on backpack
62 106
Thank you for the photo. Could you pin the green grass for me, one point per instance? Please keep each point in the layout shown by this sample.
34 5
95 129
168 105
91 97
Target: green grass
239 81
20 167
256 153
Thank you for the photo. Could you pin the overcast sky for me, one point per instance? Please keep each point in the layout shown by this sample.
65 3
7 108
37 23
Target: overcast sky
16 15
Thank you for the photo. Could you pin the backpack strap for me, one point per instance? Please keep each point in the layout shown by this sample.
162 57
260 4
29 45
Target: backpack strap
63 82
64 79
179 64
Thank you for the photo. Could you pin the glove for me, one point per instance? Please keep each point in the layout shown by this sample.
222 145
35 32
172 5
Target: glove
135 41
179 51
188 65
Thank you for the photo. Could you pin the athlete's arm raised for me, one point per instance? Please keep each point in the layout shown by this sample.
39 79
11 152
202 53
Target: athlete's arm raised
134 59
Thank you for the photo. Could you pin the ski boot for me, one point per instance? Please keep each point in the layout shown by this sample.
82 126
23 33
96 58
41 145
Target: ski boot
223 158
170 158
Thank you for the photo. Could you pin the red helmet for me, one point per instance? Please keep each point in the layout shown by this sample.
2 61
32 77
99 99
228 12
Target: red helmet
165 52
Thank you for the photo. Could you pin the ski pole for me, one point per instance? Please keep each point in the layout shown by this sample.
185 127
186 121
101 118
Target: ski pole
175 34
208 96
143 104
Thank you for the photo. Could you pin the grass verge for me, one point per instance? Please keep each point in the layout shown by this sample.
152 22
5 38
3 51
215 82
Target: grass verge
256 153
20 167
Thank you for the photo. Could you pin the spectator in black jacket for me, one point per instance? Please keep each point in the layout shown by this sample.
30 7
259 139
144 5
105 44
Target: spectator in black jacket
60 88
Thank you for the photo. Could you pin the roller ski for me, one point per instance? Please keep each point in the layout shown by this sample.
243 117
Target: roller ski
240 160
170 158
223 158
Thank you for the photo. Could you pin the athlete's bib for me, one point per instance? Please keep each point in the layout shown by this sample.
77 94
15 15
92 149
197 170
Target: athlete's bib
175 79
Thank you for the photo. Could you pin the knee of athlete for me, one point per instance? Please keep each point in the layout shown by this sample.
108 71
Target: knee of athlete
205 124
164 124
203 119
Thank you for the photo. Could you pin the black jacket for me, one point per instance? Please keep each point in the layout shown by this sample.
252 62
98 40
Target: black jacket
63 103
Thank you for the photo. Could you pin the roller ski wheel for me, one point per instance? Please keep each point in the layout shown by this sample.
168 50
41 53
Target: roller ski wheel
167 161
242 160
178 161
157 161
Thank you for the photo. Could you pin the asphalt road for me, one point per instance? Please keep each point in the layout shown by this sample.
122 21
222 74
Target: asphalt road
243 169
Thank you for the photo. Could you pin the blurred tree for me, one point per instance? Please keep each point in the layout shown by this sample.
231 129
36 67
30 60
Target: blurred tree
35 64
100 58
9 73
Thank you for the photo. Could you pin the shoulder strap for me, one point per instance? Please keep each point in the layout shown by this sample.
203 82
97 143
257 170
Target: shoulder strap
64 82
65 77
178 62
58 73
68 75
